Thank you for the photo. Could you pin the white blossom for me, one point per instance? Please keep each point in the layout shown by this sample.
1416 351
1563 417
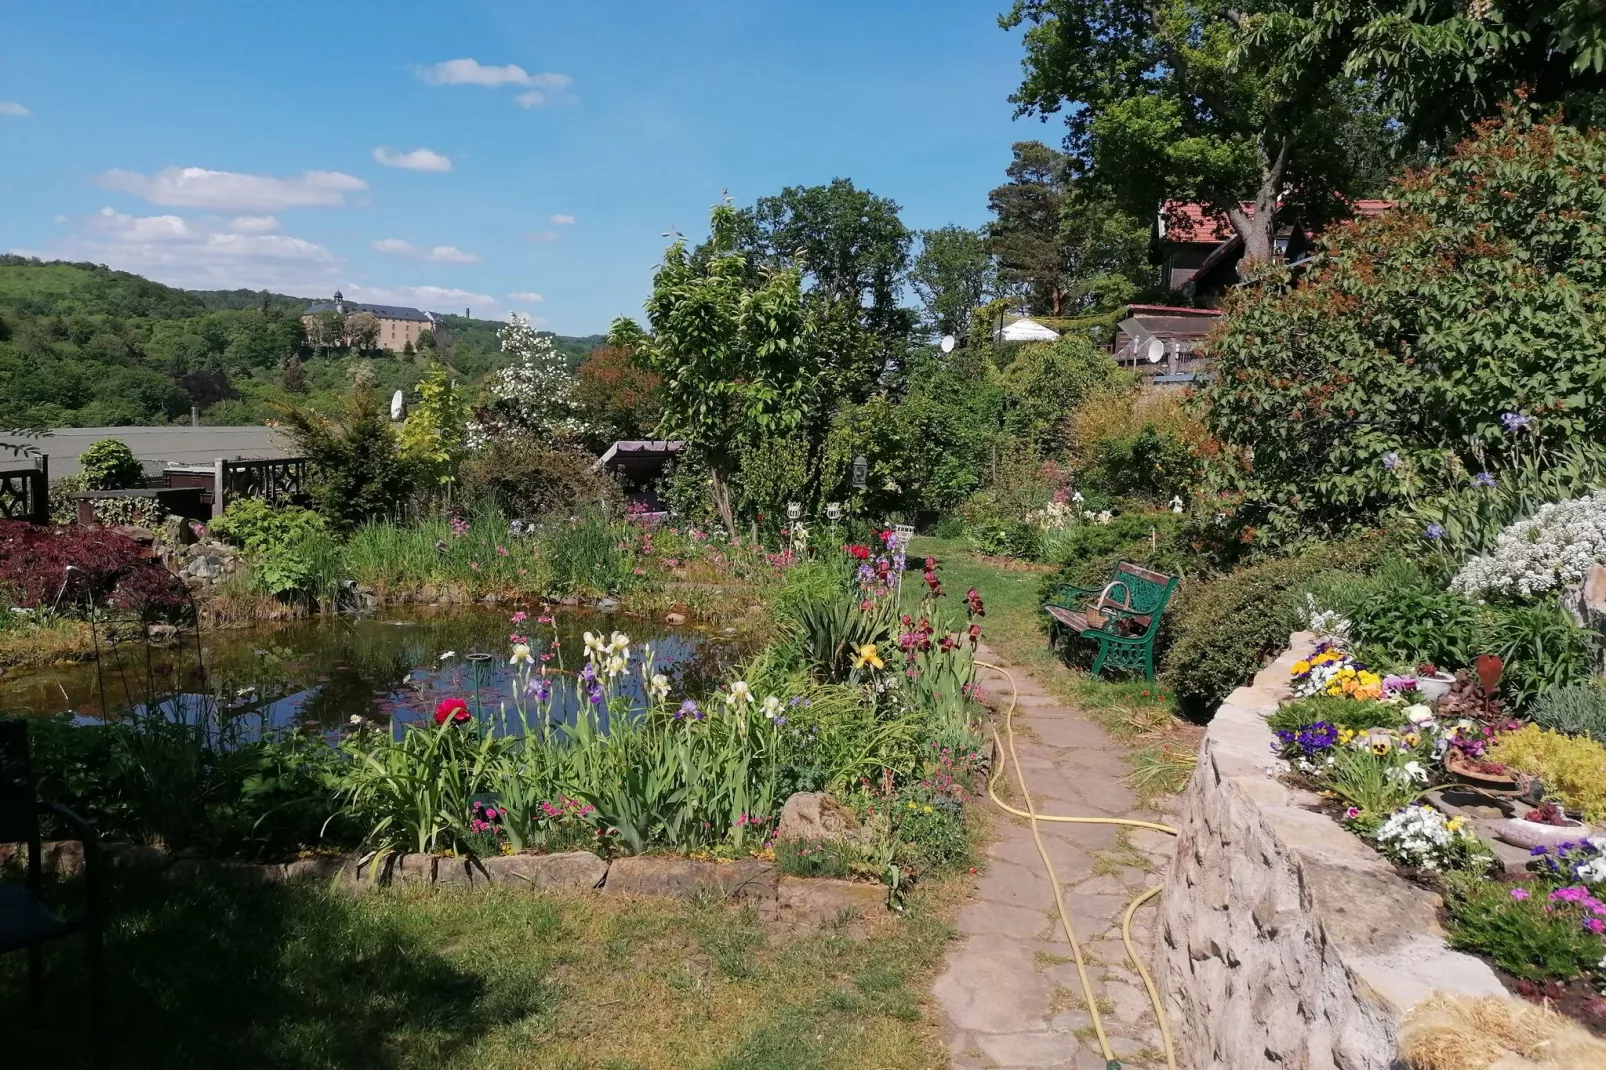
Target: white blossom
1552 549
533 394
1420 836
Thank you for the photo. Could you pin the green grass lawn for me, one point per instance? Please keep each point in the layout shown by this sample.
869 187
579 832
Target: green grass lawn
1133 710
220 974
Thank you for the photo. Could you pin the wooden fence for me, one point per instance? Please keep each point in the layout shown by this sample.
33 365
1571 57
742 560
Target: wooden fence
25 492
280 481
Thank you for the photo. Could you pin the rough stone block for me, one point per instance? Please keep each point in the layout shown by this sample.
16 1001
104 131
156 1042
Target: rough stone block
572 869
684 878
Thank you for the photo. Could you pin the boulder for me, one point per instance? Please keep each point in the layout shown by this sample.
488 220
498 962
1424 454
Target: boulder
815 816
573 869
683 878
675 618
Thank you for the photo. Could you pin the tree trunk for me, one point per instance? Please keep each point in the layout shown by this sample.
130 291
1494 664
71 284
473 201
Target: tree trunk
719 489
1258 228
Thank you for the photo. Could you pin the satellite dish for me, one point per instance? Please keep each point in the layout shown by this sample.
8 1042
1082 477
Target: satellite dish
1156 350
398 407
948 343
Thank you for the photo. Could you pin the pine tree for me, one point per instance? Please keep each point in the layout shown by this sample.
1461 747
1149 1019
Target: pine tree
294 381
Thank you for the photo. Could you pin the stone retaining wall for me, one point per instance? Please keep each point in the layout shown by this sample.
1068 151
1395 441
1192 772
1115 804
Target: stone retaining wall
1286 942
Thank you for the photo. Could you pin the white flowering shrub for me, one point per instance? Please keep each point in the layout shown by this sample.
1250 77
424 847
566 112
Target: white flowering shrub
1550 550
1422 837
534 394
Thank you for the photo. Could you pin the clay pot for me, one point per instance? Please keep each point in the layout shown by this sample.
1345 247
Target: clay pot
1463 770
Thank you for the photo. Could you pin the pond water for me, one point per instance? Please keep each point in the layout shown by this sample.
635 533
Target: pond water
389 668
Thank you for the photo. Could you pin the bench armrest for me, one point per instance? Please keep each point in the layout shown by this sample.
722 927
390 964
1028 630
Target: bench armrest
91 842
1070 593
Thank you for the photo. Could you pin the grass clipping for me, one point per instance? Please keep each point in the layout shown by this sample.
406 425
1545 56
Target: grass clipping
1490 1033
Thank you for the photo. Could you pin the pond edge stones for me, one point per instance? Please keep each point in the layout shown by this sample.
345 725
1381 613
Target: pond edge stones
1285 940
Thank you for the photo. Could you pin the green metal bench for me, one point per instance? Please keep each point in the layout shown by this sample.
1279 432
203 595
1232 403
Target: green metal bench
1123 618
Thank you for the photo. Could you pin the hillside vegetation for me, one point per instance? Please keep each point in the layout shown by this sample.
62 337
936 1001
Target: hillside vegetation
85 346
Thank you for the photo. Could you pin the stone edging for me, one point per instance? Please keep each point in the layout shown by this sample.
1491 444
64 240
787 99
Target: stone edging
1286 940
748 881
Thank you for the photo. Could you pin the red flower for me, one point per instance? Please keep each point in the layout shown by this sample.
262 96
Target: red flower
862 553
453 709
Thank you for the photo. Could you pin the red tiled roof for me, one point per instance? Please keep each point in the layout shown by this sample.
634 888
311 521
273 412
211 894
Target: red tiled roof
1367 208
1188 221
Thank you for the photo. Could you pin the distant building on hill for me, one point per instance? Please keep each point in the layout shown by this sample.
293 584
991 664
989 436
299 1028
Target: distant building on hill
399 325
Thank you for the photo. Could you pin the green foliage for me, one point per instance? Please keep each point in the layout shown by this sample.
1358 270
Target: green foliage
1543 650
435 433
1070 249
729 348
1526 937
110 465
1043 381
952 274
1089 550
583 555
831 631
1413 623
1382 379
358 470
1353 714
281 543
1578 709
1571 769
1180 101
1226 629
1372 783
525 477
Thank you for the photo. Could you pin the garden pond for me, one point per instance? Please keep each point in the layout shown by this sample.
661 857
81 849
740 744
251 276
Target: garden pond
393 667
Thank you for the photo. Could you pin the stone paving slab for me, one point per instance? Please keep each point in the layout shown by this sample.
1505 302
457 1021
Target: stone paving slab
1010 994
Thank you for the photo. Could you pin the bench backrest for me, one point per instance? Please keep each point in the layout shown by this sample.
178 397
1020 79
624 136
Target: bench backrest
1147 592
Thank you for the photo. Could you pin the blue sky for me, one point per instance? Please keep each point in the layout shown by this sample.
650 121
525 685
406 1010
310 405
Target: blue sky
216 145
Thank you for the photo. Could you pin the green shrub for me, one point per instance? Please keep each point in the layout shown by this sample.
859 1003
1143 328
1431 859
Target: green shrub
1004 537
1225 630
1342 712
1576 710
585 555
1380 379
1088 552
526 477
950 527
281 543
110 465
1408 625
111 512
1543 650
359 473
1527 936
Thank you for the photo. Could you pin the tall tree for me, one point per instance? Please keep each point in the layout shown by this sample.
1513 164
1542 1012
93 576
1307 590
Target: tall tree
1068 248
1441 65
953 273
851 251
732 347
1199 100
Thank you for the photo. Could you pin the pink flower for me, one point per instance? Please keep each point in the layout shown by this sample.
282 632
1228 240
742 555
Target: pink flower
1352 813
1595 925
475 565
501 551
519 618
1519 893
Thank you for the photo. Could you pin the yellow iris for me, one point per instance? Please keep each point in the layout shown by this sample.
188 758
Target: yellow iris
866 655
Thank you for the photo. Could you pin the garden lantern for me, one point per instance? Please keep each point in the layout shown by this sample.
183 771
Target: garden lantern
860 468
793 510
833 511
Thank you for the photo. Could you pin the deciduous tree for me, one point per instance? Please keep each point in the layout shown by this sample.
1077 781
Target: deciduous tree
953 273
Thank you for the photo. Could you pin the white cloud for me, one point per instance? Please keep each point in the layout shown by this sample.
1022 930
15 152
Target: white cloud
544 235
253 224
527 297
419 159
539 86
196 187
434 298
562 219
203 253
440 254
11 107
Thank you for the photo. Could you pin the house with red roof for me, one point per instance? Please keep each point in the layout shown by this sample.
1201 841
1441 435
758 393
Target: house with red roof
1198 251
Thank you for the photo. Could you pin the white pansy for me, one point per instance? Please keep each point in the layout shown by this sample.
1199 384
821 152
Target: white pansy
1420 836
1418 714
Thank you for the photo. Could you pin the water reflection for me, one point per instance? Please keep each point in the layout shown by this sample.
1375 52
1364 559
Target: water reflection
321 673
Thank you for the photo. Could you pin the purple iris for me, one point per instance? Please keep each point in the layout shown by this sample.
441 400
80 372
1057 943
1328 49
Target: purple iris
1391 460
1514 421
539 688
1433 531
1483 479
688 709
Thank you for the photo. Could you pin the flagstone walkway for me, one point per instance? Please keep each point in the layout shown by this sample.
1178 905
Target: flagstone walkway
1010 993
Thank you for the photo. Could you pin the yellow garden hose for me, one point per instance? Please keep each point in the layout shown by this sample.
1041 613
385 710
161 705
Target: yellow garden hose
1110 1060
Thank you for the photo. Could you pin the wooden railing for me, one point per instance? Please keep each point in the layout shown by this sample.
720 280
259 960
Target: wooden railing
279 481
25 492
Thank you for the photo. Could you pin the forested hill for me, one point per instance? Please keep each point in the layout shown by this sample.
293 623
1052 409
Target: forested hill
84 346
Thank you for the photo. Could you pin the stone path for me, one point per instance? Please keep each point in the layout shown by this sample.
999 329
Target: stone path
1010 993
